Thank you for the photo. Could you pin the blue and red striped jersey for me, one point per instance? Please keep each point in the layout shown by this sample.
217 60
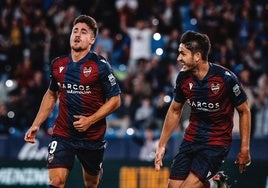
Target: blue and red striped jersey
83 88
212 101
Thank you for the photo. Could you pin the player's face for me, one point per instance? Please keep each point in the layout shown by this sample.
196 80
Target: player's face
186 58
81 38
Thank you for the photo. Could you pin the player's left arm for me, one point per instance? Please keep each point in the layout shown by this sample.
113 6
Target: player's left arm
84 122
243 157
240 101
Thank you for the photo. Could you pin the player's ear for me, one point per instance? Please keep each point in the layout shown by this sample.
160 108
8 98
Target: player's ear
92 40
197 56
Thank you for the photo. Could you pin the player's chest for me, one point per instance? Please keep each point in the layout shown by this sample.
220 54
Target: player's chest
85 74
213 89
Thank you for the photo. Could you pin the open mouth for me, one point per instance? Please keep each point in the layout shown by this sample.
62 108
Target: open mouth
76 40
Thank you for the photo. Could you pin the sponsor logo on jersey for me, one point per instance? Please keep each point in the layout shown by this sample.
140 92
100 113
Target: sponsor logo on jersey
204 106
236 90
227 73
75 88
61 68
191 85
112 79
103 60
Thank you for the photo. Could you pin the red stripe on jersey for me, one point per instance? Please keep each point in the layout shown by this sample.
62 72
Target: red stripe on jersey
59 69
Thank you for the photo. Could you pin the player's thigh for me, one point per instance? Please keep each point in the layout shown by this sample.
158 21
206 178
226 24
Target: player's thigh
89 179
91 160
58 176
174 183
192 181
208 161
181 165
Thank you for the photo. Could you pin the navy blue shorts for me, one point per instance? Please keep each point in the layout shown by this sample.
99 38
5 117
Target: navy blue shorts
202 160
62 152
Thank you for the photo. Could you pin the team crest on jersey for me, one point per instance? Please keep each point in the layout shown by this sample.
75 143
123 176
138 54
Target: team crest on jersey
87 71
50 158
215 88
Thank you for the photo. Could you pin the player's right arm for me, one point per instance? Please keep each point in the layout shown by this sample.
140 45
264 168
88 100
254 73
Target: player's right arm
171 122
243 157
48 102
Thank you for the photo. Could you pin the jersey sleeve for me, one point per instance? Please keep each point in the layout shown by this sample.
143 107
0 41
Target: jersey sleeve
53 86
178 93
109 82
237 93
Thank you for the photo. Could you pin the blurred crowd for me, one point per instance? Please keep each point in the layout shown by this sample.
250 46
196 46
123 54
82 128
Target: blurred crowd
140 40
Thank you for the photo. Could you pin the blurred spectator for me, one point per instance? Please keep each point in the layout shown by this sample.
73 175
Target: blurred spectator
120 53
24 73
245 23
4 120
14 110
210 19
225 54
104 11
131 5
227 19
37 41
169 16
121 118
172 45
16 43
263 34
140 41
261 108
252 57
36 88
127 9
245 78
143 115
141 86
155 73
104 43
190 13
3 92
148 144
161 104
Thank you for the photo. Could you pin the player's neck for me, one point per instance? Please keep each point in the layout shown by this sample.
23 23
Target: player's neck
202 70
77 56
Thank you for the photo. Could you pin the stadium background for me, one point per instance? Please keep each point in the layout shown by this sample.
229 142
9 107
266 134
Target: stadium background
32 32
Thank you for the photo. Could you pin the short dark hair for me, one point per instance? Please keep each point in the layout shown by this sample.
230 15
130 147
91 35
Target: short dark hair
91 23
196 42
